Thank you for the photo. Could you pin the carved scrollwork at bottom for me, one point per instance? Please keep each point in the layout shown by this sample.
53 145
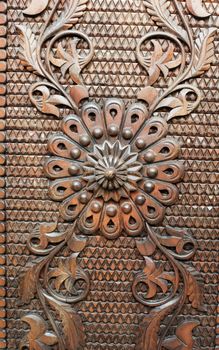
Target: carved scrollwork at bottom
176 285
57 289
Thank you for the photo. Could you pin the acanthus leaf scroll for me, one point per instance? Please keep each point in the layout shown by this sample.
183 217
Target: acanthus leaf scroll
110 181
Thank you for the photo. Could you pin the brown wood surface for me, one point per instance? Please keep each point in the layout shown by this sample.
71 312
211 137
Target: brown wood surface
111 181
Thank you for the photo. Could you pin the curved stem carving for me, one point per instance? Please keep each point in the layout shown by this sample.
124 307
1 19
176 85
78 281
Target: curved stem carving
32 48
201 56
42 280
172 245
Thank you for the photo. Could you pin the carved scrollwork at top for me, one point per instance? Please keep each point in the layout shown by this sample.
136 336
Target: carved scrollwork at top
114 170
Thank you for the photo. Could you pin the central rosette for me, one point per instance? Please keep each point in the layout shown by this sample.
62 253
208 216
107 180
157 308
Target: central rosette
112 171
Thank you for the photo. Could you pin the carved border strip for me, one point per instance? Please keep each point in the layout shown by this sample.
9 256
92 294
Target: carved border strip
3 67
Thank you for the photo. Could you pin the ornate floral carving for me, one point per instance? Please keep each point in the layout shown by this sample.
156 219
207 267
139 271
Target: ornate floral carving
38 337
114 169
183 339
116 184
57 287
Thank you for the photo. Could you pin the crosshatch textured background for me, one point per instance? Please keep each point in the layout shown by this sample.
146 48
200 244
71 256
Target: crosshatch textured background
110 313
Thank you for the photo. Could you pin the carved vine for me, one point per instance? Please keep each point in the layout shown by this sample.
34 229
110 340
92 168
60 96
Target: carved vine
111 181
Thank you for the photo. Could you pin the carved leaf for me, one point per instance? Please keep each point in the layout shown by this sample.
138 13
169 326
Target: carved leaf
178 238
36 7
158 9
181 105
154 277
38 337
28 49
72 324
77 243
148 94
183 339
42 232
46 103
196 8
146 247
68 61
65 273
195 289
46 234
74 10
149 328
78 93
204 53
27 286
160 62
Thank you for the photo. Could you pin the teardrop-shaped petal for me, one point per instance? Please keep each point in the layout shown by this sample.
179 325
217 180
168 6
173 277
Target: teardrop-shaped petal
111 225
72 207
73 128
152 210
61 146
61 189
89 221
57 168
132 219
153 131
113 115
163 192
135 115
164 150
92 116
169 171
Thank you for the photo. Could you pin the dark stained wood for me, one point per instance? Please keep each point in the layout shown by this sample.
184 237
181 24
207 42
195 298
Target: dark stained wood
112 171
3 68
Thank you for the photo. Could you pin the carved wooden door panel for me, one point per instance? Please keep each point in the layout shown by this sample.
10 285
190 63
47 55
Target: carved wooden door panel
109 174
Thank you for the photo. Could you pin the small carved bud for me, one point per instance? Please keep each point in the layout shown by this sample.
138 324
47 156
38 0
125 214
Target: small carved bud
140 143
149 156
149 186
97 133
111 210
85 140
74 170
75 153
126 208
84 198
96 207
127 134
113 130
152 172
140 199
76 185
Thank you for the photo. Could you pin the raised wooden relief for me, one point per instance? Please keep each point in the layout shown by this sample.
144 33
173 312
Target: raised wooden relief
113 168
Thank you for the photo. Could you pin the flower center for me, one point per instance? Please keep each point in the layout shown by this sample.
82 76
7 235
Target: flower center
110 173
112 168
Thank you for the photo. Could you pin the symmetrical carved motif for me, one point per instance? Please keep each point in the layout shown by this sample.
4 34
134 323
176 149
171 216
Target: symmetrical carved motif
113 181
114 170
